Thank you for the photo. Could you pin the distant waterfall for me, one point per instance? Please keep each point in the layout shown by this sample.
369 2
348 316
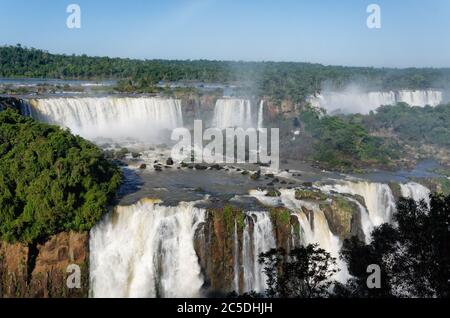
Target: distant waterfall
146 250
415 191
420 98
232 112
255 242
109 117
261 114
364 102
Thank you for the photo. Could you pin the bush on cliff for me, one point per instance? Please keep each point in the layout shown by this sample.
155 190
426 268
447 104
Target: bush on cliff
50 180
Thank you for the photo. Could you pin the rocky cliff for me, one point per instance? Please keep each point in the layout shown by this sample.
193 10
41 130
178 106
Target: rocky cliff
42 270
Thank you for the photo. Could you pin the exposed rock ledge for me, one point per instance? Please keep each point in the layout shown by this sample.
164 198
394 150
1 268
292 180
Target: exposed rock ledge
41 270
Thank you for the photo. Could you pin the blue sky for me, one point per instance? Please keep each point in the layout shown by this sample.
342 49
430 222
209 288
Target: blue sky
413 32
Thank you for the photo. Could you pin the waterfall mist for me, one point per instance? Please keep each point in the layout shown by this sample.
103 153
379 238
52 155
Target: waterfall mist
354 99
117 118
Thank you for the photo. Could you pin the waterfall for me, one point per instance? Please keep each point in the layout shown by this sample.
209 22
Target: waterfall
236 258
363 102
316 231
109 117
255 242
261 114
232 112
378 199
415 191
146 250
420 98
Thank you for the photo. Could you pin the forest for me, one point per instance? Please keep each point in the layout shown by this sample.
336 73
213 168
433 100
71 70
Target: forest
50 180
278 80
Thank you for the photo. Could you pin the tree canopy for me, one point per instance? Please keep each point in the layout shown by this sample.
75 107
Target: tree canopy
50 180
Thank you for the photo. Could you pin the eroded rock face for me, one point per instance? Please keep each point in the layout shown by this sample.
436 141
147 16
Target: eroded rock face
41 270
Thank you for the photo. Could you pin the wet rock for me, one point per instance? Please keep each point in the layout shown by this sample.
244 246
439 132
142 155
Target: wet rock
169 161
273 193
200 167
157 168
143 166
306 194
256 175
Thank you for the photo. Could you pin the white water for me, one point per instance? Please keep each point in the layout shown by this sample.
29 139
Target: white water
236 258
259 241
146 250
361 102
233 112
315 231
415 191
378 199
261 114
109 117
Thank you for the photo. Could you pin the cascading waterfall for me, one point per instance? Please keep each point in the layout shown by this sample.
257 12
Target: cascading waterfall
146 250
378 198
255 242
261 114
420 98
109 117
236 258
362 102
415 191
233 112
316 231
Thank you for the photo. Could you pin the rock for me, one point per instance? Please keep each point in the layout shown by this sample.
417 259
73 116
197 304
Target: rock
339 215
40 270
200 167
273 193
256 175
216 167
169 161
143 166
157 168
305 194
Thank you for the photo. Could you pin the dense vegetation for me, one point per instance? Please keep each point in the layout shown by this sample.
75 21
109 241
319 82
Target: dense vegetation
338 143
279 80
413 255
50 180
304 272
415 125
413 258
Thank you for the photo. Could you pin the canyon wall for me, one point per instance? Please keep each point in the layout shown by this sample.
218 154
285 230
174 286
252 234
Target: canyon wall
42 270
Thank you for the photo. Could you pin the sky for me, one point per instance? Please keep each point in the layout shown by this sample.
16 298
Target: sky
413 33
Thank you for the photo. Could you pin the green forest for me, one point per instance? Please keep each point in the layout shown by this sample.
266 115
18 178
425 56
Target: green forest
279 80
50 180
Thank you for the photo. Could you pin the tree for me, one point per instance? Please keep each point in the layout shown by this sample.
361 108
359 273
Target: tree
304 272
413 254
50 180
